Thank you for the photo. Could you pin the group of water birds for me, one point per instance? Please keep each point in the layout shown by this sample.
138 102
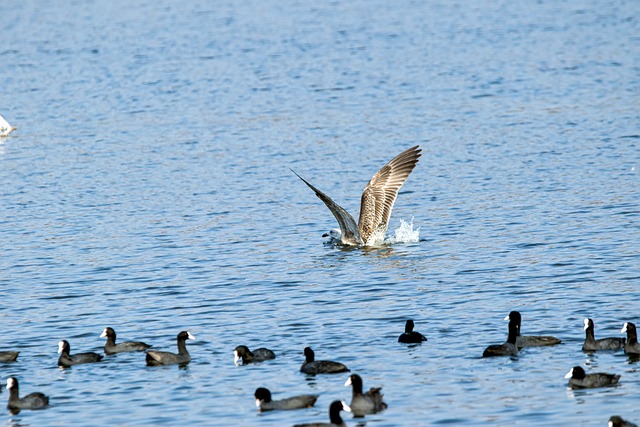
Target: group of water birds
66 360
578 378
377 203
362 403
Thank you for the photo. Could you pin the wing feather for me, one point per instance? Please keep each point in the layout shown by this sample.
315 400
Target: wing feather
381 192
348 228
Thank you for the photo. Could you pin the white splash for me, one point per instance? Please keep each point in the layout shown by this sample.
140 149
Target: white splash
405 233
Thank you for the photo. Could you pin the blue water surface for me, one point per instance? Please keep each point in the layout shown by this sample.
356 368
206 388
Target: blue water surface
148 188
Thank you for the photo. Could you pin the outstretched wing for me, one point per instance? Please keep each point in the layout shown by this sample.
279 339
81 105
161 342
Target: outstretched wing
348 227
381 192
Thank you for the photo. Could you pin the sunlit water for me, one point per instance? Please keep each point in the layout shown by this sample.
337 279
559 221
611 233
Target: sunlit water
148 188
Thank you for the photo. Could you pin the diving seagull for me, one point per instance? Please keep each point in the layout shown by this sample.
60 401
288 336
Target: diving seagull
5 127
376 204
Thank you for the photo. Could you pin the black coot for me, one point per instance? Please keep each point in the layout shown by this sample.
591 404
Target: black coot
30 401
112 348
158 358
631 346
592 344
312 366
242 353
616 421
410 336
509 347
334 417
66 359
264 402
364 403
531 340
580 379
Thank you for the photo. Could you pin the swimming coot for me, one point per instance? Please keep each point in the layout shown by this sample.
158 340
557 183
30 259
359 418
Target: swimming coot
580 379
531 340
410 336
508 348
334 416
631 346
158 358
242 353
30 401
364 403
264 402
312 366
616 421
66 359
592 344
112 348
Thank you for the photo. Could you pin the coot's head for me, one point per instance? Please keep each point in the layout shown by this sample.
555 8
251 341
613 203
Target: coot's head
514 319
576 372
309 354
64 347
408 327
355 381
185 335
240 352
627 327
12 383
262 395
109 333
334 411
514 316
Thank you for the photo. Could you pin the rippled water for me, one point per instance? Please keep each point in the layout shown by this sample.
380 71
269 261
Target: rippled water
148 187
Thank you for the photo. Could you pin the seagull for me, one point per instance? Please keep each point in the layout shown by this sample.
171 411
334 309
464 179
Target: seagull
376 204
5 127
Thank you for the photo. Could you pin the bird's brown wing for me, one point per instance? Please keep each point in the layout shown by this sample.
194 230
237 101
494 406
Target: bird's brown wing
381 192
348 227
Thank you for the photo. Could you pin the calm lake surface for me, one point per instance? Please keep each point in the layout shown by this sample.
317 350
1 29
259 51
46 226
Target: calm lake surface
148 188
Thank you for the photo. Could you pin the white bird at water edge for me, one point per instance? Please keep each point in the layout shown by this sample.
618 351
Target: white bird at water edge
5 127
376 203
